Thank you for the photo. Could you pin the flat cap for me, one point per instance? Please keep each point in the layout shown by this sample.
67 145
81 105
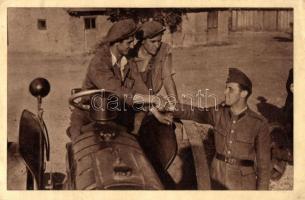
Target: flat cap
150 29
121 30
237 76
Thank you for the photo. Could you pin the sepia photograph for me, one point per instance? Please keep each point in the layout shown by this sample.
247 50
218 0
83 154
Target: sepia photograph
178 98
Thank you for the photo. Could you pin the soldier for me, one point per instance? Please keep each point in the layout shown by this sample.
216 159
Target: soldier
110 70
242 141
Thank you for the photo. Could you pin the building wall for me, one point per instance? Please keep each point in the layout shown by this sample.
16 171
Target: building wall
67 35
76 33
221 33
24 36
64 34
85 40
195 31
189 28
201 28
223 26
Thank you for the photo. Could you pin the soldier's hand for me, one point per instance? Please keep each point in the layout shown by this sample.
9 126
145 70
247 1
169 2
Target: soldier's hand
161 104
164 118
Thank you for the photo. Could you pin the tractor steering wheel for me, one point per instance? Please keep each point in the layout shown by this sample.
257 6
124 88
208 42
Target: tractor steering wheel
85 93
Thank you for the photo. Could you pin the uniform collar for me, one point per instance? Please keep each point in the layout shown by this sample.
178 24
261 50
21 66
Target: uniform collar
240 114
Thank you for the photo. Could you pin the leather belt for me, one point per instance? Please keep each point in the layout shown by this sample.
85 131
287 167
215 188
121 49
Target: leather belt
234 161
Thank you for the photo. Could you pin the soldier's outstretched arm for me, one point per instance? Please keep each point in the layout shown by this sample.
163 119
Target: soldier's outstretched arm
263 157
200 115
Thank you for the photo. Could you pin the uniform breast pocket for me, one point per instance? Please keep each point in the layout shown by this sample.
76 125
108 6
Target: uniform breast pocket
244 137
244 145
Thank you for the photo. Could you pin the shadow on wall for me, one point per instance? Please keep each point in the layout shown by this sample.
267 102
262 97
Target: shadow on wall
283 39
271 112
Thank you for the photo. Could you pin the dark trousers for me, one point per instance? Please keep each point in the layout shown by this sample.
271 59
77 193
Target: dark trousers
159 144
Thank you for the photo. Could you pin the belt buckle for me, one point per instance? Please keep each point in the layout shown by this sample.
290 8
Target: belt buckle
229 160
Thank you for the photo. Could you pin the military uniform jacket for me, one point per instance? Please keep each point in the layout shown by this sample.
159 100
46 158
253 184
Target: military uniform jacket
102 75
245 137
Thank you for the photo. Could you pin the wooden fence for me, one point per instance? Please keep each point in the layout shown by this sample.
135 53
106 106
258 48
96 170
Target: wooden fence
261 19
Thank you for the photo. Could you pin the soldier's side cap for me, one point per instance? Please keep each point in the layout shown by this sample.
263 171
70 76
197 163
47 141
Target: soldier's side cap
237 76
121 30
150 29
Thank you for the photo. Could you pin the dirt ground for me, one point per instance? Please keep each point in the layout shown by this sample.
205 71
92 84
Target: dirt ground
263 56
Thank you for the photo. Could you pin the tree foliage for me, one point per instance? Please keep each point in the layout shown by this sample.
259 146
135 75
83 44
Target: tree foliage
170 17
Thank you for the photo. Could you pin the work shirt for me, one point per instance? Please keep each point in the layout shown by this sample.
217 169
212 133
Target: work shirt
244 136
105 73
121 64
158 69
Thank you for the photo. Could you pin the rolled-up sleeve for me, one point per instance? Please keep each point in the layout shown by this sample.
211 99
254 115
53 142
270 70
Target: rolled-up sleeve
167 68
